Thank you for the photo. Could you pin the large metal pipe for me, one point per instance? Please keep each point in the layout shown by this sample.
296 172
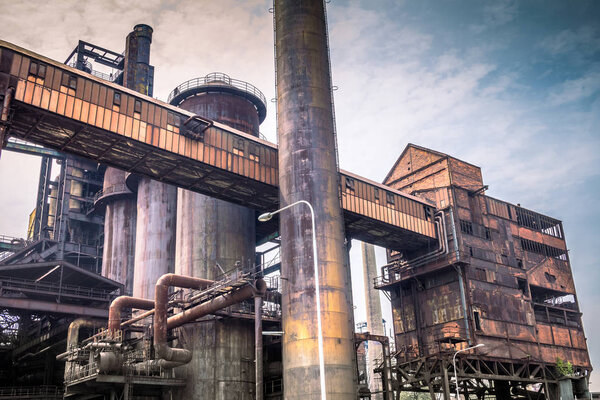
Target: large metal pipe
161 347
122 302
308 171
216 304
177 357
73 338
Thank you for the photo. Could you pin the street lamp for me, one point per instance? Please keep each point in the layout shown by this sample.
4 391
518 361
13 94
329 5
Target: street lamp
454 364
266 217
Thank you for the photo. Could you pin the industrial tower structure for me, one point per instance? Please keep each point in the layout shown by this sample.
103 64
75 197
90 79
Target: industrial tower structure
197 300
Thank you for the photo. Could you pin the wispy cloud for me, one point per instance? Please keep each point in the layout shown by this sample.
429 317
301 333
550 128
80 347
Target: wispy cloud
574 90
585 39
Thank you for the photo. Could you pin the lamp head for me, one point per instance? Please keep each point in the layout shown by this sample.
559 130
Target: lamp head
480 345
265 217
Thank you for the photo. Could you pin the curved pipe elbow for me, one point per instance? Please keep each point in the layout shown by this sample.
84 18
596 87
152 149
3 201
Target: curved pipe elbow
121 302
183 281
180 356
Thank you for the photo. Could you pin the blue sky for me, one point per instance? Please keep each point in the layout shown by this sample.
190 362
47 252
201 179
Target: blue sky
513 87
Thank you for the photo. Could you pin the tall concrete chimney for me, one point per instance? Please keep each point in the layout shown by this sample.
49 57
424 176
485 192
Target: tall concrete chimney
374 316
308 171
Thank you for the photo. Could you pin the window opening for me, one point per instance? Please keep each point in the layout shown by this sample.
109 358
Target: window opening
477 320
390 199
523 286
466 227
253 153
350 184
238 147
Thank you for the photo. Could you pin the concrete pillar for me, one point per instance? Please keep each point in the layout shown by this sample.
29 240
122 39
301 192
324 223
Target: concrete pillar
119 229
155 235
308 171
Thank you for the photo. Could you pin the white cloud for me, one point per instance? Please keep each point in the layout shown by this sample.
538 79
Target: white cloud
585 39
576 89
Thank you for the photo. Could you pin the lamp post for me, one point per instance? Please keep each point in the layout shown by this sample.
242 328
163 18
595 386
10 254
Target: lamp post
454 364
266 217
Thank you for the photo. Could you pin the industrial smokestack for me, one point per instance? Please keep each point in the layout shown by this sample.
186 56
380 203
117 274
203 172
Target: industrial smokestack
308 171
374 316
120 217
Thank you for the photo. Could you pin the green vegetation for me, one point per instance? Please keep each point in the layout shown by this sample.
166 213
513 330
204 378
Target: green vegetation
564 367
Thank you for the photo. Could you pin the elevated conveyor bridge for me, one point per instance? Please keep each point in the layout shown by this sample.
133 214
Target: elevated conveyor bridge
70 111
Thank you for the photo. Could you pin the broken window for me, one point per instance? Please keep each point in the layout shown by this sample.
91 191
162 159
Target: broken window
549 277
137 109
238 147
390 199
428 213
540 248
253 152
477 320
350 184
37 73
523 286
172 122
539 222
68 84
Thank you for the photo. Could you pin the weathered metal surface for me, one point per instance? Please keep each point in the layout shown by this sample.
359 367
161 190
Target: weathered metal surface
155 235
120 218
137 72
214 234
308 171
374 316
84 121
119 230
216 98
520 295
53 307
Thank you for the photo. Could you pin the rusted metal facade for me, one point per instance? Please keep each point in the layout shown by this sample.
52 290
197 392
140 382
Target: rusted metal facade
308 171
213 235
506 282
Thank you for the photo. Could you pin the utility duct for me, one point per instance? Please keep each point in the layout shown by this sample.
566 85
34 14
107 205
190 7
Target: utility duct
161 295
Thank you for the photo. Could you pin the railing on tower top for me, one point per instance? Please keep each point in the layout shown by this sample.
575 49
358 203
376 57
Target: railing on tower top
217 78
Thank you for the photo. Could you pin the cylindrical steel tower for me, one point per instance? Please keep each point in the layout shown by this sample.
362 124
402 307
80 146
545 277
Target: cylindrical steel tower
119 229
211 232
308 171
120 215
